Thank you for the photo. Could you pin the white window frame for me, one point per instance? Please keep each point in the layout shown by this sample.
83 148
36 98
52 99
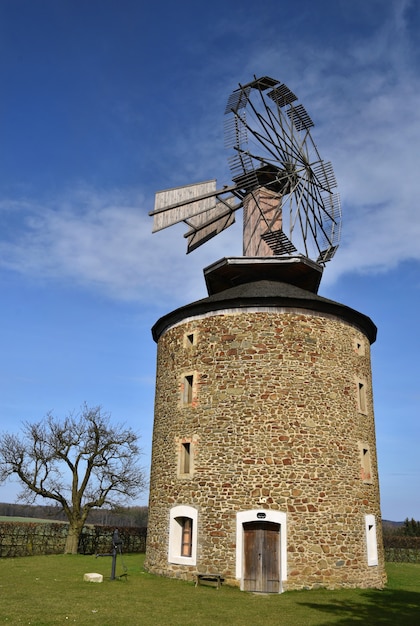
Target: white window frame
175 535
371 540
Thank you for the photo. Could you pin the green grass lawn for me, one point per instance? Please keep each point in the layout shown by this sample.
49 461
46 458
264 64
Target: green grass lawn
46 590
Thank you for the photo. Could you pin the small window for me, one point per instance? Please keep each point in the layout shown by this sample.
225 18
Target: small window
366 465
190 339
371 541
187 395
361 396
359 347
182 547
186 524
185 458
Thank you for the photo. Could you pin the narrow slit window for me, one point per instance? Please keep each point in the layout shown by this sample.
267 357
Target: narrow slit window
185 458
188 389
189 339
361 391
366 465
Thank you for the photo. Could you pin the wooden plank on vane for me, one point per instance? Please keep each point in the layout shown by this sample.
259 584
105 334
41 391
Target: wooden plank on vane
209 224
177 204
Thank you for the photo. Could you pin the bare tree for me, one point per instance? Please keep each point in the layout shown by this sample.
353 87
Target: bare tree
81 462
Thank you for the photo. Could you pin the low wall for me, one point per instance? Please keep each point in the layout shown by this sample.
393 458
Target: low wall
35 538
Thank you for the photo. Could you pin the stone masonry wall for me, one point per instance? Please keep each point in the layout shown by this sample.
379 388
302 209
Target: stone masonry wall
281 418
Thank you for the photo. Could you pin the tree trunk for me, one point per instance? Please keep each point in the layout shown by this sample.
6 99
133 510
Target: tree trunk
72 541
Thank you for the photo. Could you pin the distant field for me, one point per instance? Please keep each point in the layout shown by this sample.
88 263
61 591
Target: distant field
33 520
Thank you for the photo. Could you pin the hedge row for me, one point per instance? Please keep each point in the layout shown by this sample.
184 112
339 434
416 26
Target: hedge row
404 549
402 555
98 539
32 538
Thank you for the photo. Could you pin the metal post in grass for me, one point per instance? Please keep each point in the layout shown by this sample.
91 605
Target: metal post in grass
116 548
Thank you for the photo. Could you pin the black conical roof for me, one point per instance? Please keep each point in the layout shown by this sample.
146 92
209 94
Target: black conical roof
266 293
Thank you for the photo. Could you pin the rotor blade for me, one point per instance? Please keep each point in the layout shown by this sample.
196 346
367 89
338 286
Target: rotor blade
326 255
279 242
209 224
300 117
175 205
262 83
282 95
325 175
220 210
235 130
237 99
332 221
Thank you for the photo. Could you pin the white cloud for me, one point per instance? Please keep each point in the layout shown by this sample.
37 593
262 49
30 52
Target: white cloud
102 242
86 238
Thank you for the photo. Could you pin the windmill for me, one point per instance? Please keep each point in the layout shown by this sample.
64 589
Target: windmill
263 465
285 188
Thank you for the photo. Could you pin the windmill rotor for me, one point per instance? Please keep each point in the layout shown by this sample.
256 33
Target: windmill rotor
285 188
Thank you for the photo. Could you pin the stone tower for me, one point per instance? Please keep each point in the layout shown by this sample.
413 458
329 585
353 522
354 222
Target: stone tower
264 463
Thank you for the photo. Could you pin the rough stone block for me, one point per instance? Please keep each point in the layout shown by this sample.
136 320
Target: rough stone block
92 577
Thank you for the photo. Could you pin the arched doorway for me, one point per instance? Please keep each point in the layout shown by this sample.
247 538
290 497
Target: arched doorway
261 550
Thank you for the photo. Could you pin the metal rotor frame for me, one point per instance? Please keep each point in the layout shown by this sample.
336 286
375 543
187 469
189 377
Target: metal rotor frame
271 146
271 152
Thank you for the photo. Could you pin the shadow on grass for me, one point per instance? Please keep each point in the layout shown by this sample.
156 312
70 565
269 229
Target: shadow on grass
375 607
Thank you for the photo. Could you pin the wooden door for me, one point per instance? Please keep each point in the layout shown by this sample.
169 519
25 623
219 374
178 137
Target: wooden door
261 557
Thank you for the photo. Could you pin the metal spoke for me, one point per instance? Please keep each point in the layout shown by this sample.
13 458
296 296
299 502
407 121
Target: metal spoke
265 126
316 220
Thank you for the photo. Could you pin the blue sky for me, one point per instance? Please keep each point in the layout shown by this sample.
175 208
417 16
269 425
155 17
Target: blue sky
106 102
